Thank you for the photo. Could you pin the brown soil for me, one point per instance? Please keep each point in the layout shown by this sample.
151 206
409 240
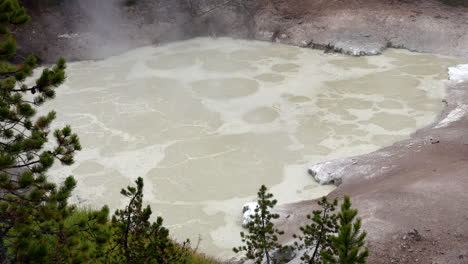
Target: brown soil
418 186
369 26
412 196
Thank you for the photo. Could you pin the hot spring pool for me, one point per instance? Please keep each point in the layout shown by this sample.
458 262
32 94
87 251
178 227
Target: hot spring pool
207 121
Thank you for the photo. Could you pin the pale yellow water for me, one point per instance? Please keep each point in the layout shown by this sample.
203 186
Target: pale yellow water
207 121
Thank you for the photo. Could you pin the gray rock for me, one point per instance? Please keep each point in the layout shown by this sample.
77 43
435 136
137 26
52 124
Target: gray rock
284 256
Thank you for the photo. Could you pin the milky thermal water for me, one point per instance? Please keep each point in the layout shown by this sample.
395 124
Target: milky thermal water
207 121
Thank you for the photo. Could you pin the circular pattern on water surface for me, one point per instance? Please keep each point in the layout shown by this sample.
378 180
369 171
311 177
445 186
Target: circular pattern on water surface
261 115
207 121
286 67
227 88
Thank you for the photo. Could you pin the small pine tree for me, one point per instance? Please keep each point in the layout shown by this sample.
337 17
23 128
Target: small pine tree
315 236
136 240
262 237
348 244
33 211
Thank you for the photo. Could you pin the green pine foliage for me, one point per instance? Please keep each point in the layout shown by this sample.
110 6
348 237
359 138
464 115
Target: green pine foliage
348 244
37 224
11 14
33 211
111 254
329 238
136 240
262 237
315 236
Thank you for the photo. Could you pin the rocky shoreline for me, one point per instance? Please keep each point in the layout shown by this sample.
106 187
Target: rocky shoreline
353 27
417 186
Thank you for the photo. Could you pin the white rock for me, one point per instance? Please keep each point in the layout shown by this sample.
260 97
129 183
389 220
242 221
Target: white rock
68 36
455 115
458 73
248 210
330 172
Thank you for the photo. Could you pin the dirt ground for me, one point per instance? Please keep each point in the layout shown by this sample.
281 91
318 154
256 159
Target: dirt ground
411 196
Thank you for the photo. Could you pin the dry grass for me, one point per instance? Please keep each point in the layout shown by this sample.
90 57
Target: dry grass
202 259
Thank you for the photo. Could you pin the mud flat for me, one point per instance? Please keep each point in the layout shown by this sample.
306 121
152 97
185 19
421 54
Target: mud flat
207 121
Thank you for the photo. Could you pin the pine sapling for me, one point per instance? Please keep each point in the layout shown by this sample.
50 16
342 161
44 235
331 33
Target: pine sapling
316 235
348 244
262 237
138 240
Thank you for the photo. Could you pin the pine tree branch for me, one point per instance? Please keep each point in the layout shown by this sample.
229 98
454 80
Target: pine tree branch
35 87
8 74
24 165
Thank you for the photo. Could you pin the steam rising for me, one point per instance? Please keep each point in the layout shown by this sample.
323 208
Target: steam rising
100 28
107 27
